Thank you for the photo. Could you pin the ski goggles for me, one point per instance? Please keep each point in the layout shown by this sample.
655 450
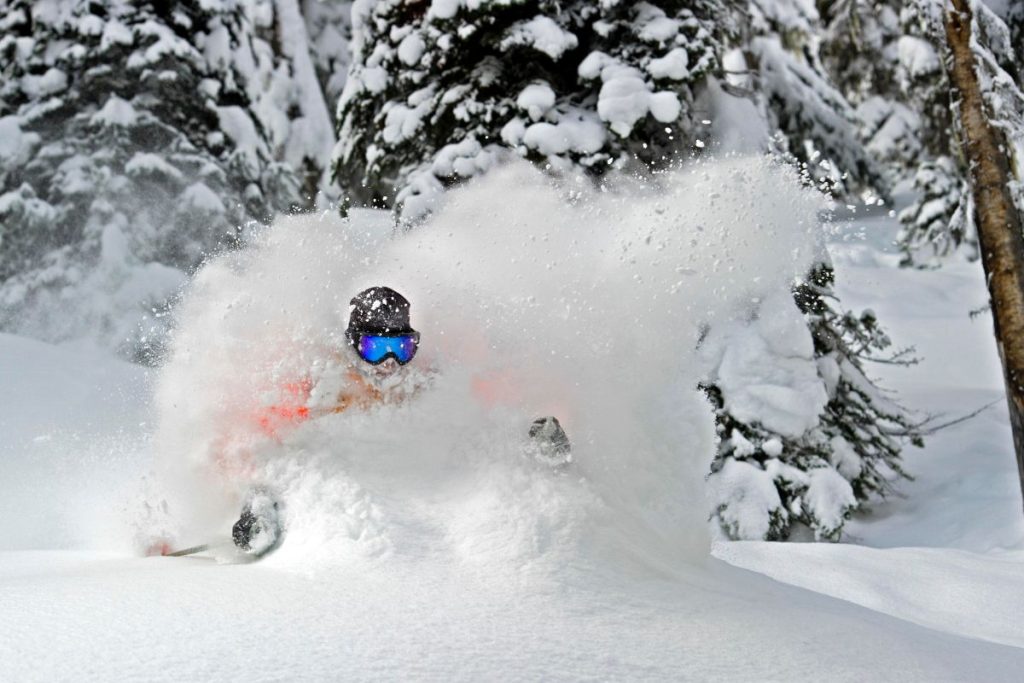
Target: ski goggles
375 349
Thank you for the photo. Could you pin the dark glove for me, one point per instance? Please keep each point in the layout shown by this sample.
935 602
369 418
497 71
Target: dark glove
548 442
258 529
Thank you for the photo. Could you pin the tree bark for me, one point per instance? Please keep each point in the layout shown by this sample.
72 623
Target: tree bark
998 220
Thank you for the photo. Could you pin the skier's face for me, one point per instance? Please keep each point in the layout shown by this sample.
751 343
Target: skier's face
384 370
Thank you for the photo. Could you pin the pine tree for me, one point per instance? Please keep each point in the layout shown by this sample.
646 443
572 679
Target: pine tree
815 122
770 474
286 93
818 476
879 55
936 227
440 92
905 122
138 137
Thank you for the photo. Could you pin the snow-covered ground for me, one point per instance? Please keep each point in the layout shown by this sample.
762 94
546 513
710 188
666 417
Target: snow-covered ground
928 587
88 616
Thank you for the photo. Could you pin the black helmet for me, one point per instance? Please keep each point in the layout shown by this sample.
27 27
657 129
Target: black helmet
379 310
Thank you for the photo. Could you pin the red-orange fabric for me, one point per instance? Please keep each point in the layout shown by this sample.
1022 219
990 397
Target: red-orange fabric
291 410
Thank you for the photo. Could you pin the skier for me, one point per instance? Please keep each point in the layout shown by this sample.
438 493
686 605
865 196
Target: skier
373 370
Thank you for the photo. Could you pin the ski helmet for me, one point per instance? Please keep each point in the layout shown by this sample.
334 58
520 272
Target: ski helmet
380 311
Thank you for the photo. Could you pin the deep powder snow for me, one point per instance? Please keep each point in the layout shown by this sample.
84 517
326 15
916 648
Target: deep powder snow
556 297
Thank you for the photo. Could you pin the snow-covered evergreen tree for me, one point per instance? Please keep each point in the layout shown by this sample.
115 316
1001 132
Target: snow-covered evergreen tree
774 467
878 54
923 240
1003 89
136 137
801 442
440 91
885 51
282 82
780 44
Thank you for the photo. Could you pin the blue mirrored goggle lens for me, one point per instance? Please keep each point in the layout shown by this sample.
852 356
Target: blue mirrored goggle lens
374 349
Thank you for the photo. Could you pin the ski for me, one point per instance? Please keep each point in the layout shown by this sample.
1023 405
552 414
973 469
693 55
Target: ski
223 552
188 551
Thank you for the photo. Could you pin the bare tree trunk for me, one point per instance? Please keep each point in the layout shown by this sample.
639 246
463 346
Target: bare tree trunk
999 223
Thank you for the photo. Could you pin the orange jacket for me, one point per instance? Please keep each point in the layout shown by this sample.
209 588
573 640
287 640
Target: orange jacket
292 408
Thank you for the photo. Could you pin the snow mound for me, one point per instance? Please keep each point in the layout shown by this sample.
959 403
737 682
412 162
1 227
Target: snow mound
534 297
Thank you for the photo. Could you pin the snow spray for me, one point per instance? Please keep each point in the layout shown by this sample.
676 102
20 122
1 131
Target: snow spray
533 296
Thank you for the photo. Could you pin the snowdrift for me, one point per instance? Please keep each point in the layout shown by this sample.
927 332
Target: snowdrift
555 297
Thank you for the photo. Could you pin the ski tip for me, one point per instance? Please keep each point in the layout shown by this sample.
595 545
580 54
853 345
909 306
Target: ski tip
156 549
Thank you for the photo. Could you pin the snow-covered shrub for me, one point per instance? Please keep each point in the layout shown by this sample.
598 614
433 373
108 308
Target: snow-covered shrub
791 396
135 139
805 435
440 91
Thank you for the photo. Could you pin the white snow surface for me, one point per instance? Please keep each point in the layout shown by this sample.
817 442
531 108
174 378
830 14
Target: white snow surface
956 591
435 551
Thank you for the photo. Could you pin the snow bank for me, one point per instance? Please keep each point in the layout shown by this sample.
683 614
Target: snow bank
559 298
955 591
